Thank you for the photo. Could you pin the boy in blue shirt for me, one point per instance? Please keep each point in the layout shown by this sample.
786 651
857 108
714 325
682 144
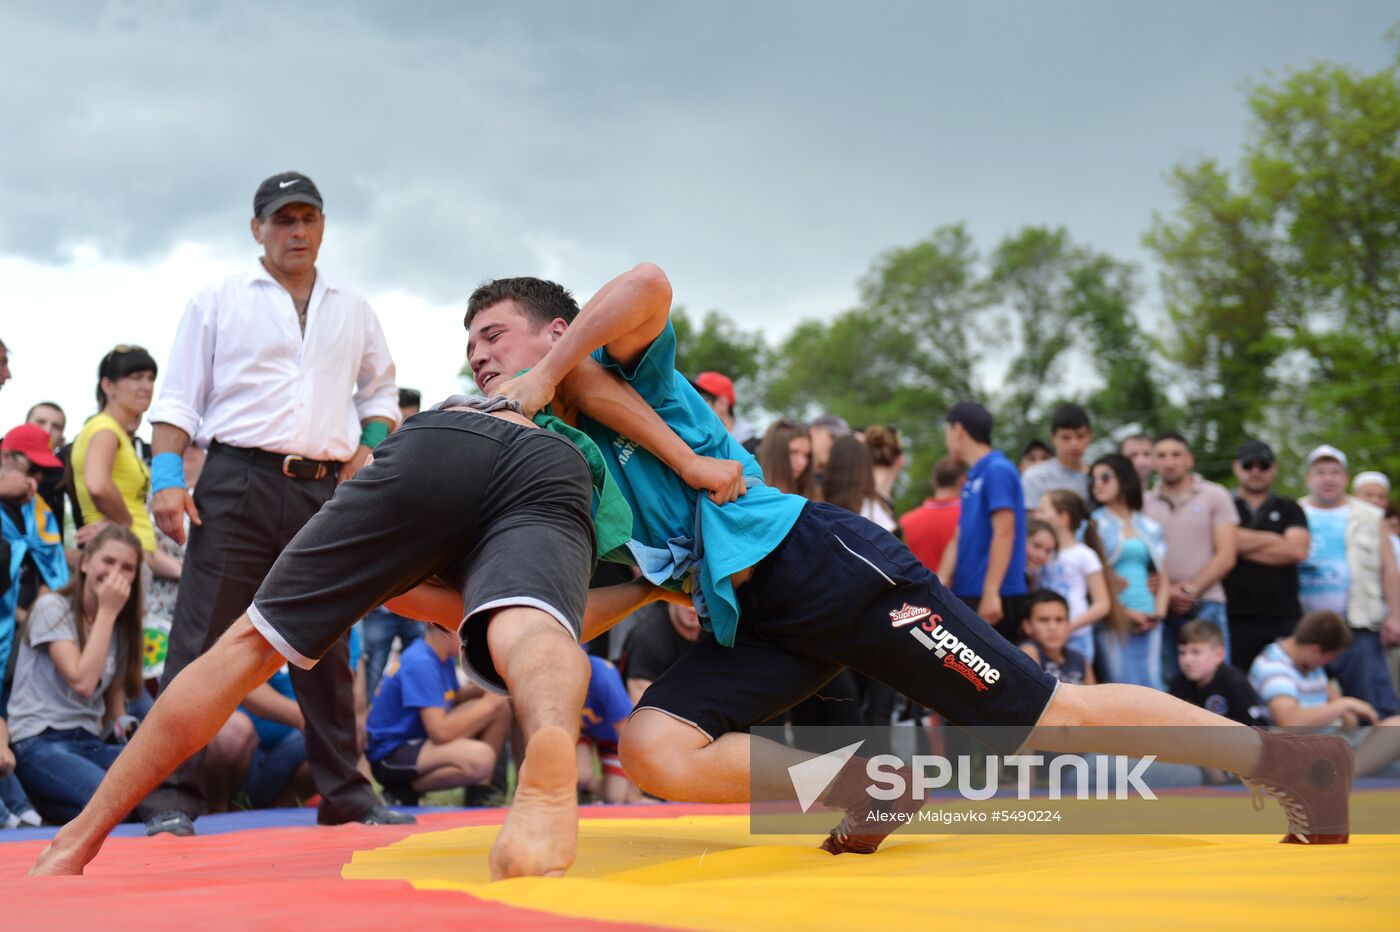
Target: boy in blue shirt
421 738
794 590
605 711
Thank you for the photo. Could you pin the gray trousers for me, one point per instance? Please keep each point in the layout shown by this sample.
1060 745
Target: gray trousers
251 512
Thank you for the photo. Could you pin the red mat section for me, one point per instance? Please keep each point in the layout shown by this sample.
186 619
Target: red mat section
279 878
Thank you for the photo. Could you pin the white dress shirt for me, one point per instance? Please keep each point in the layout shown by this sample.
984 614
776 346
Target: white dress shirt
241 372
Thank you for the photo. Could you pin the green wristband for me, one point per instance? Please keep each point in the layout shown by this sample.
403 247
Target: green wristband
373 434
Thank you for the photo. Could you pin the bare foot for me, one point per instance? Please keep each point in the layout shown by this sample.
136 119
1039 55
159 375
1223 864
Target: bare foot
540 834
59 860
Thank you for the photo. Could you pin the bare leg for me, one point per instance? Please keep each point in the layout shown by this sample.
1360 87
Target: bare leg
190 712
1381 747
457 763
547 674
671 759
1204 738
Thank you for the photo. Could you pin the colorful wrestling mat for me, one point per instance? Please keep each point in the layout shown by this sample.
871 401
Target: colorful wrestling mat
696 867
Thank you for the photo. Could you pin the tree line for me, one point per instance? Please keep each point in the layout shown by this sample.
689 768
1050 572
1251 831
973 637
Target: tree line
1280 279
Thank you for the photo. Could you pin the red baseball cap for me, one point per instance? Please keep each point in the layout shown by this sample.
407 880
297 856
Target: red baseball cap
32 441
717 384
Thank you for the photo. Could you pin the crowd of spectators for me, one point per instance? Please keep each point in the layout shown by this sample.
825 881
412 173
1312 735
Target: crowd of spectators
1105 562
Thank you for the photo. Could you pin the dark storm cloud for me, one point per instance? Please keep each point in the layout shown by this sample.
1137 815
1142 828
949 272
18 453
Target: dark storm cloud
759 151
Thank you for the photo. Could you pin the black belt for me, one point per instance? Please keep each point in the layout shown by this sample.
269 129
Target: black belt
291 465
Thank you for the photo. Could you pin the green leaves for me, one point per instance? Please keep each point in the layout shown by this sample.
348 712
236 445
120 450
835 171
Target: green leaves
1283 282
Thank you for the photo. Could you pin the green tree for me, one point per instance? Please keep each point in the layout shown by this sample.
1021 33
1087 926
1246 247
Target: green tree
718 345
902 356
1070 310
1283 277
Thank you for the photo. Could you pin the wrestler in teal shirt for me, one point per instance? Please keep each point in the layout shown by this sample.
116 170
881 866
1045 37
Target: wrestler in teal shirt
733 537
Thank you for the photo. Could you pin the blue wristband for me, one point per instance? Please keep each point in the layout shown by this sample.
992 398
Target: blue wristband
167 472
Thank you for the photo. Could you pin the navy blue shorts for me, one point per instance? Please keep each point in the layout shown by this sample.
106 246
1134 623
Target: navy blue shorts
841 591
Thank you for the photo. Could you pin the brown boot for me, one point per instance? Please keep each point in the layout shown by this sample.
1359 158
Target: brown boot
862 829
1310 776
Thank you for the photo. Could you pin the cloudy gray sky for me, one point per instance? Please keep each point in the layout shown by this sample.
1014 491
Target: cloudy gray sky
762 152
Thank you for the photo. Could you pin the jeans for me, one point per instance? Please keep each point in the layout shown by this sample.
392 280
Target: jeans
1363 672
60 770
381 627
1135 659
272 768
12 798
1204 611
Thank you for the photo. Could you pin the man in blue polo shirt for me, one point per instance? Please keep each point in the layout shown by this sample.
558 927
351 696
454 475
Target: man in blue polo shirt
987 561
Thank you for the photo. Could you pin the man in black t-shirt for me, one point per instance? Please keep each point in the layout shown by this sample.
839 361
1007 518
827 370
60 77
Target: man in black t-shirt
1208 681
664 631
1262 589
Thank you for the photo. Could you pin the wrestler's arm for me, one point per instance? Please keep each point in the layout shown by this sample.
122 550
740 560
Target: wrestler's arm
607 605
430 602
626 316
607 399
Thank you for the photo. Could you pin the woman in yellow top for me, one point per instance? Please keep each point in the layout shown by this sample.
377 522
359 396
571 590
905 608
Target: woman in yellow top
109 476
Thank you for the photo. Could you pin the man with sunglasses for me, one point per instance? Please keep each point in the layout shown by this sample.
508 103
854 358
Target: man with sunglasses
1272 539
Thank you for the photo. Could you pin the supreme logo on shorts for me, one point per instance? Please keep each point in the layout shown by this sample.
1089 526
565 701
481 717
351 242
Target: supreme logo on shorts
909 614
956 655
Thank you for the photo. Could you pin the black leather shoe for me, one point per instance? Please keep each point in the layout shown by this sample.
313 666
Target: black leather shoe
171 821
378 815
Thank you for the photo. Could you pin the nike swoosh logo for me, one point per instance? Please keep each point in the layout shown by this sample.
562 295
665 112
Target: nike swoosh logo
287 184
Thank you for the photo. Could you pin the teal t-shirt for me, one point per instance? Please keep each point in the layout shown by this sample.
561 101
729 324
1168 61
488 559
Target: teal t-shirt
665 521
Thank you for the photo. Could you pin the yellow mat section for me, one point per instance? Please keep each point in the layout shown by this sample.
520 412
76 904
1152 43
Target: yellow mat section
707 872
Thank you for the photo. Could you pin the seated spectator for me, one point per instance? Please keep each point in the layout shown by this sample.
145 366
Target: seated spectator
887 456
162 591
849 482
1047 638
79 661
1037 451
785 456
664 631
277 772
260 752
424 733
929 528
605 712
50 417
1077 570
1290 679
1206 680
31 539
15 808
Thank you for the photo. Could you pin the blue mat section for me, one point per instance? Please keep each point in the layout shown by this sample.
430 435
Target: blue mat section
219 824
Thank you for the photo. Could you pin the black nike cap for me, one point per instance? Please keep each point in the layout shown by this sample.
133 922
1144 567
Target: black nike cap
283 189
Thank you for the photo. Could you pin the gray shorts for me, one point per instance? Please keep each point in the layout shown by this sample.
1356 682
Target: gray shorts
498 511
